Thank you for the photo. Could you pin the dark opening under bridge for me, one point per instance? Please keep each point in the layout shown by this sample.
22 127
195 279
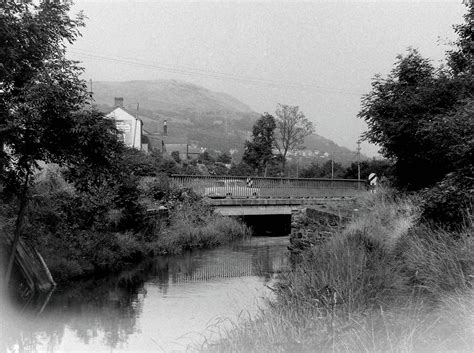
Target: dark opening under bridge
252 196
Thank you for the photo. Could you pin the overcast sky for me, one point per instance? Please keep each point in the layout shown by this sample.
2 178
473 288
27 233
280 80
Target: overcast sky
318 55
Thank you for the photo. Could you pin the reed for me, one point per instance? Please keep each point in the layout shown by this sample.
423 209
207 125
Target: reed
191 227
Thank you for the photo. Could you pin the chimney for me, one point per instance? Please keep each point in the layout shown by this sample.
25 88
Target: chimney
165 129
118 102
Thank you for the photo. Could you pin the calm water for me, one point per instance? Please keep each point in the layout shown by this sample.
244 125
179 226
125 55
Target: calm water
171 304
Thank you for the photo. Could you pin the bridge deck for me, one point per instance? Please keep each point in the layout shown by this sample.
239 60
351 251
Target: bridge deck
233 195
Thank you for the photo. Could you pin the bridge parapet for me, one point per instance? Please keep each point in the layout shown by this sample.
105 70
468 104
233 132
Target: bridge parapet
263 187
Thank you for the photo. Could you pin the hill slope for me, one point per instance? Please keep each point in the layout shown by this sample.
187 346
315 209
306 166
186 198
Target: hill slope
171 96
195 114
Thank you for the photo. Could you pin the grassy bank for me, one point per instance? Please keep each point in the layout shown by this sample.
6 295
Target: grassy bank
82 235
386 283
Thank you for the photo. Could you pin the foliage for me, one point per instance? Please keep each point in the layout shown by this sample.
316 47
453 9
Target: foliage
82 235
41 97
311 171
259 151
195 225
422 118
241 169
380 167
414 115
217 169
140 163
224 158
206 158
43 100
190 168
75 235
292 128
175 156
385 283
331 169
461 58
328 170
449 203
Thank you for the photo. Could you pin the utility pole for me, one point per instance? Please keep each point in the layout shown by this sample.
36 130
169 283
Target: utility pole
358 163
297 168
91 93
358 160
332 168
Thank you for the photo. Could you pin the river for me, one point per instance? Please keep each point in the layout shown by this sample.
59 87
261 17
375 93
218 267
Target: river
169 304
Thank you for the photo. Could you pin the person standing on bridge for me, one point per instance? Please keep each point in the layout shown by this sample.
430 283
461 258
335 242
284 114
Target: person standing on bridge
372 182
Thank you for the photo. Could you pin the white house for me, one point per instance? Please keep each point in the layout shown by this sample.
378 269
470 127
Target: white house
128 124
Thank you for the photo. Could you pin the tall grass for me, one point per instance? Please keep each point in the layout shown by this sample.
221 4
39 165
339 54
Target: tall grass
193 226
385 283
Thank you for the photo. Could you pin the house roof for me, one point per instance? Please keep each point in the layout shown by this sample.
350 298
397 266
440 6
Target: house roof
129 112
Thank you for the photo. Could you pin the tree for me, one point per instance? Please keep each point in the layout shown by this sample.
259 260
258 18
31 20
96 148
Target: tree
42 101
241 169
292 128
311 171
175 156
461 58
380 167
224 158
421 117
331 169
411 115
259 151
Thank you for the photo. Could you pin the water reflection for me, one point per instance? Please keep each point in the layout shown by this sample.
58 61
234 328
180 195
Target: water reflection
162 305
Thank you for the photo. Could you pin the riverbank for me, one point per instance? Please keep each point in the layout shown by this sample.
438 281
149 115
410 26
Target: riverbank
81 236
99 254
125 312
385 282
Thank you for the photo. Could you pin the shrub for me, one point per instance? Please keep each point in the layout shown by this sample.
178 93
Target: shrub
194 225
449 203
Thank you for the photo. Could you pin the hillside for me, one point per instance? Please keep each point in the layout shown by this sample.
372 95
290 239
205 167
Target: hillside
170 97
200 116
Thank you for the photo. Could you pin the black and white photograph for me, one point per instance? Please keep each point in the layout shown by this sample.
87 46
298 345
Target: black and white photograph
236 176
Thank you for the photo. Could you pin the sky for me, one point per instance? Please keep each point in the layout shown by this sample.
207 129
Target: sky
318 55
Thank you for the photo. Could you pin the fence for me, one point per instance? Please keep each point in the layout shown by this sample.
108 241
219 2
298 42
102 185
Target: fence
235 187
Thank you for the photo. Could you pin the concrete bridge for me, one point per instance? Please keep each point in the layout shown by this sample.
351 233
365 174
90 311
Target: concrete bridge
259 196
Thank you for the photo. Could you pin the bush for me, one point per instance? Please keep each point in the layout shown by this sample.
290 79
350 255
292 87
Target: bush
449 203
194 225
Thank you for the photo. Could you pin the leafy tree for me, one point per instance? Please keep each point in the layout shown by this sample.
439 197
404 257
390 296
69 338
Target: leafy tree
292 128
331 169
175 156
241 169
259 151
190 168
422 119
206 158
217 169
461 58
311 171
42 100
380 167
411 115
224 158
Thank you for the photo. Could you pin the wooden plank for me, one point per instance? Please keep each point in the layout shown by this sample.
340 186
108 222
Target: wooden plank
31 266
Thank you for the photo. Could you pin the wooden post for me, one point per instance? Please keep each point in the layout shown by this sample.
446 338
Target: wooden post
18 225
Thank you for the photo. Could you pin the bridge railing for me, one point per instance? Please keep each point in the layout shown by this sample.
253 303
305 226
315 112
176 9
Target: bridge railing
243 186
